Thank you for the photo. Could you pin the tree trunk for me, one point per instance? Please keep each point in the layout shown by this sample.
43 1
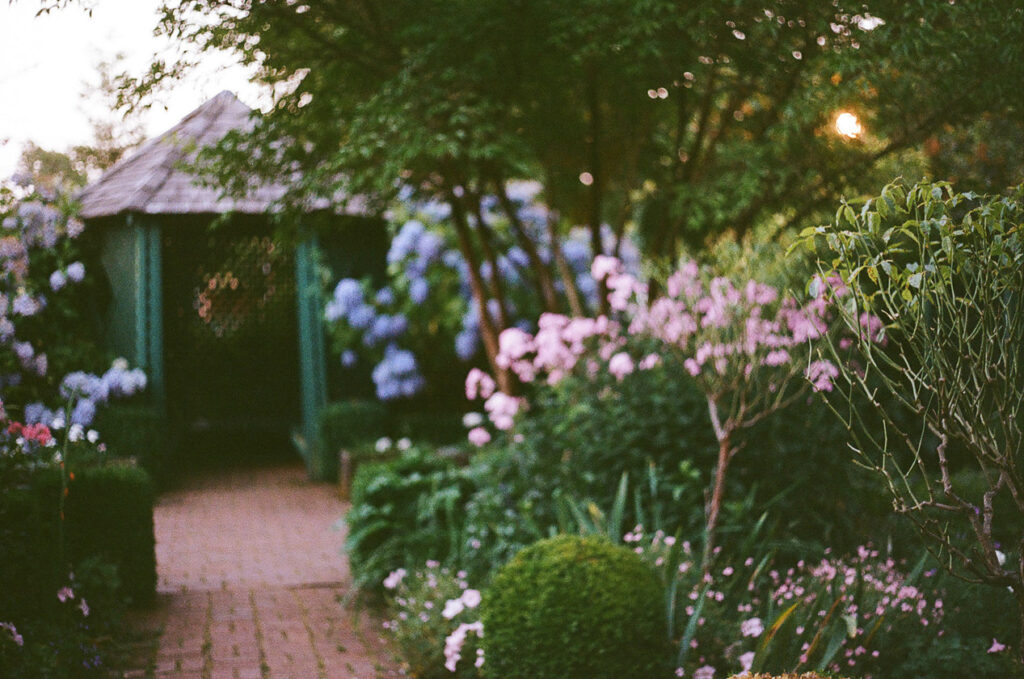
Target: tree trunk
572 293
496 286
488 333
597 180
714 507
542 275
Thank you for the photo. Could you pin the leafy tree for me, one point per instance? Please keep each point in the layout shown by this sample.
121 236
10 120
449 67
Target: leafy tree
698 116
943 273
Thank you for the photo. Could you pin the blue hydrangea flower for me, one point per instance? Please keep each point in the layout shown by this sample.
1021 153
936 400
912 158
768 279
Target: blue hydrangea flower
348 358
36 413
361 317
57 280
384 297
419 289
76 272
83 413
79 384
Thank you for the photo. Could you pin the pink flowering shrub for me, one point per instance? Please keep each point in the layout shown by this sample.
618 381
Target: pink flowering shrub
834 614
745 346
435 622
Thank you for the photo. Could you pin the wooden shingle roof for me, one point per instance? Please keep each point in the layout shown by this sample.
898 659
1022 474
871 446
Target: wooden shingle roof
151 180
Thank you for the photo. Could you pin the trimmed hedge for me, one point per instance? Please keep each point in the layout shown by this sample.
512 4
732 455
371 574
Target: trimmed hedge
345 424
575 608
137 431
108 514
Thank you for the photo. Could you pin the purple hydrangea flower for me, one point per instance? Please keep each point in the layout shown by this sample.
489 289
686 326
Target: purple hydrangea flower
76 272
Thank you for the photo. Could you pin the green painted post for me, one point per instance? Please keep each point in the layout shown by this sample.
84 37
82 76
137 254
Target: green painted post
311 359
155 306
140 264
149 326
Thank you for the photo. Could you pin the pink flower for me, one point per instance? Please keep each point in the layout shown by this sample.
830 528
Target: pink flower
453 607
13 631
620 365
752 627
479 383
479 436
65 593
747 660
996 647
502 409
394 578
649 361
454 642
604 265
471 598
706 672
821 374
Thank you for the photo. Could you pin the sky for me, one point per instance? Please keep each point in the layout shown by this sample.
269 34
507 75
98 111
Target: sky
47 61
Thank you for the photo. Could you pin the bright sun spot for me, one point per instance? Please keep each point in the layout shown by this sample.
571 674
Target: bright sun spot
848 125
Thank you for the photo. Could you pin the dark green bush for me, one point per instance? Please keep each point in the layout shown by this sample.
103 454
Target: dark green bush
345 424
140 432
575 608
31 570
404 512
110 515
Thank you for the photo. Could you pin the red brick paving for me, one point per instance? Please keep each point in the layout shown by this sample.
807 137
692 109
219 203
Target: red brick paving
250 578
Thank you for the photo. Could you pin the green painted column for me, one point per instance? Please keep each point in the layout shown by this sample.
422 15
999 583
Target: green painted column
312 364
149 315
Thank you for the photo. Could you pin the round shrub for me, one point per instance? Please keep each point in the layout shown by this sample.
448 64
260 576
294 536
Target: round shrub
570 607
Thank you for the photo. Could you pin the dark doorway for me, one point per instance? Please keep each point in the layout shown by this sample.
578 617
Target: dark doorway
230 342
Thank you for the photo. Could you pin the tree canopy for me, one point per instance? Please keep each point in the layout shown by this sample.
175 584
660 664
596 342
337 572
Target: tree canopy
702 116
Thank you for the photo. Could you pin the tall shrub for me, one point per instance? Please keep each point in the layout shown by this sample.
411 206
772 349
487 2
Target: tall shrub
943 273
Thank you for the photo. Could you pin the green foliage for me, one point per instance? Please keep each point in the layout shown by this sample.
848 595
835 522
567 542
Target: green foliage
403 512
108 514
574 608
936 277
66 620
139 432
727 118
347 425
419 625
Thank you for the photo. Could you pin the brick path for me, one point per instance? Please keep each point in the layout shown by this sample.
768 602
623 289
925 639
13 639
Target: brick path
250 579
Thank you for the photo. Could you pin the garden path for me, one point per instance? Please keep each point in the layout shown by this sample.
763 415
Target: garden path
250 578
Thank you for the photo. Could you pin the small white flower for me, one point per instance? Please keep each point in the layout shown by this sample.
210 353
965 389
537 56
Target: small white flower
452 608
394 578
471 420
58 422
383 444
76 433
93 436
471 598
404 444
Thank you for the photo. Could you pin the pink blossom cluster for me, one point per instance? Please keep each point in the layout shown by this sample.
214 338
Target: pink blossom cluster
725 336
735 604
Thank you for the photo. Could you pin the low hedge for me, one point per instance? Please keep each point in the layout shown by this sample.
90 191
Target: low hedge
345 425
108 515
139 432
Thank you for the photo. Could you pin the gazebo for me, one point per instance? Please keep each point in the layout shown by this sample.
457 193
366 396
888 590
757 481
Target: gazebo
225 318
